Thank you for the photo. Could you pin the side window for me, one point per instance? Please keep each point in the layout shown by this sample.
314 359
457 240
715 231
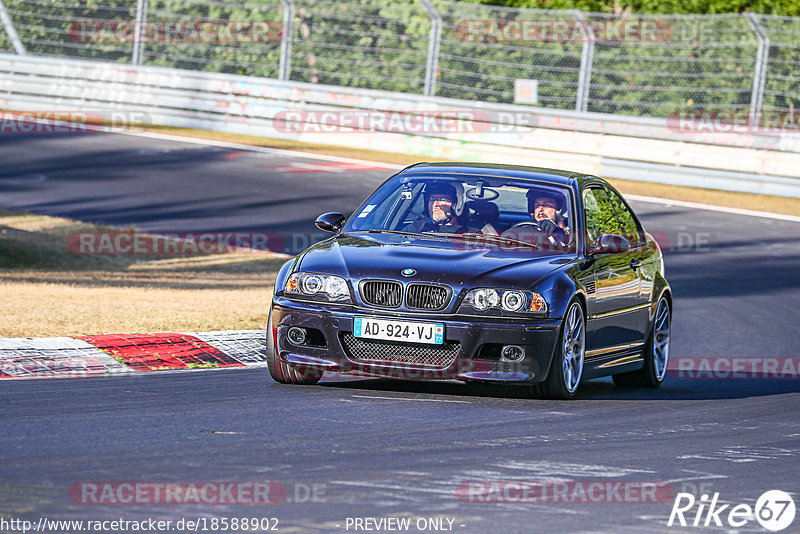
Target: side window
627 223
600 215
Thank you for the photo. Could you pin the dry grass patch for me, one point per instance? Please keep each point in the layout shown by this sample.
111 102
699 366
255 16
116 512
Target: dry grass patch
50 291
44 308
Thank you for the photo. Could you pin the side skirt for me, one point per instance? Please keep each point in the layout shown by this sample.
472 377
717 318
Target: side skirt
628 359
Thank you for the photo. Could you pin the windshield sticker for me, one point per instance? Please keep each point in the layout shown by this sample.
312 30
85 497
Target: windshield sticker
405 194
366 211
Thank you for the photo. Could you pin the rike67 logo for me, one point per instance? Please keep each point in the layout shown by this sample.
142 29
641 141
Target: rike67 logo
774 510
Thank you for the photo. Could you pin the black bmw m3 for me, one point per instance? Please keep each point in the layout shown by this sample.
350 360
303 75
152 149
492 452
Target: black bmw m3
478 272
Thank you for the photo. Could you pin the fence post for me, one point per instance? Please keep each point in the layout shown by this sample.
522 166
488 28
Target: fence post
433 47
19 48
587 57
285 65
760 71
141 20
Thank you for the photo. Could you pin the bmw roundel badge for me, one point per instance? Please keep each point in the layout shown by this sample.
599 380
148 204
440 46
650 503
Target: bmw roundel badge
408 272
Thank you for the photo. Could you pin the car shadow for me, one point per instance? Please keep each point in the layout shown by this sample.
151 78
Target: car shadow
599 389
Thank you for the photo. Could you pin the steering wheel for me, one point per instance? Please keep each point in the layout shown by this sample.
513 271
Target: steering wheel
527 224
553 232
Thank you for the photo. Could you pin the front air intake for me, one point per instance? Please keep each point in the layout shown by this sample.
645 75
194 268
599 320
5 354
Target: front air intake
426 296
382 293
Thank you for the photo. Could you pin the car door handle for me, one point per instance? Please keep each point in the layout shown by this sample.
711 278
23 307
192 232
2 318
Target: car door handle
635 263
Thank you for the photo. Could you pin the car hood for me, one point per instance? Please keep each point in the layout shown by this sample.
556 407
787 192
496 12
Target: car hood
450 261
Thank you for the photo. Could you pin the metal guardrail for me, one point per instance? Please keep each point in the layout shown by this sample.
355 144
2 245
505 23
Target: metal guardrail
594 143
327 97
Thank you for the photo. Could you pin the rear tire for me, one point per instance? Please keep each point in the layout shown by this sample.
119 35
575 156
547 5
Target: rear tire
656 352
282 372
566 369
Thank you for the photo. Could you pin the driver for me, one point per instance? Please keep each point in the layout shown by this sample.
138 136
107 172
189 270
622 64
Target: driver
544 209
444 207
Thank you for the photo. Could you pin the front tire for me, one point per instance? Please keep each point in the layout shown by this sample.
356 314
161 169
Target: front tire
656 352
282 372
566 369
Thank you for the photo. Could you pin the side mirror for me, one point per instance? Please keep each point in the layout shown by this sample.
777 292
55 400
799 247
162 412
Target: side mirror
330 222
610 244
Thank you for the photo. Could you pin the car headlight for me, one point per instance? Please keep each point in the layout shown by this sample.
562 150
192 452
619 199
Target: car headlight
483 299
496 301
327 286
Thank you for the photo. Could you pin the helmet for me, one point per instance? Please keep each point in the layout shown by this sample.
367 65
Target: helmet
454 190
533 194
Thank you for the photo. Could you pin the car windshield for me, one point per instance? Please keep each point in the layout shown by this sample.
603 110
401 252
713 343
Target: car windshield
495 211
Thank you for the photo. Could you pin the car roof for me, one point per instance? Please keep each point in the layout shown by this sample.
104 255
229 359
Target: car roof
557 176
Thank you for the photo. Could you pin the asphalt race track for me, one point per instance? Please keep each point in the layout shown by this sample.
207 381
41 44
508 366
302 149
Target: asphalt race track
378 448
171 187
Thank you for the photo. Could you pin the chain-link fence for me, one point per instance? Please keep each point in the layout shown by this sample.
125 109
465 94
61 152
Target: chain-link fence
782 87
369 44
705 63
48 28
5 42
641 65
483 53
227 49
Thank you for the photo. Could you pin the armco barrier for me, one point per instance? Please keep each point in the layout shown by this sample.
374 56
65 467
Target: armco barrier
608 145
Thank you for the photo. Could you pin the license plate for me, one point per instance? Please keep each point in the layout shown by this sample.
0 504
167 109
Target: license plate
432 333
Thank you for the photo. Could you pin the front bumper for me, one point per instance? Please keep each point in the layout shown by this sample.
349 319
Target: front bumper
473 361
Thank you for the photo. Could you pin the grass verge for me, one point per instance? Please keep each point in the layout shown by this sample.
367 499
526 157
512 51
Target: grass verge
50 291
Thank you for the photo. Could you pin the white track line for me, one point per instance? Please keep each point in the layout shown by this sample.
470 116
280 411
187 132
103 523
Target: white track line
710 207
264 150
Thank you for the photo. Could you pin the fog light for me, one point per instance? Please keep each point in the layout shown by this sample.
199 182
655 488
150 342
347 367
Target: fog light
513 353
297 335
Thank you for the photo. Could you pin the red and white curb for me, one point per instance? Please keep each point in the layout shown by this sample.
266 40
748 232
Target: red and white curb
91 356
